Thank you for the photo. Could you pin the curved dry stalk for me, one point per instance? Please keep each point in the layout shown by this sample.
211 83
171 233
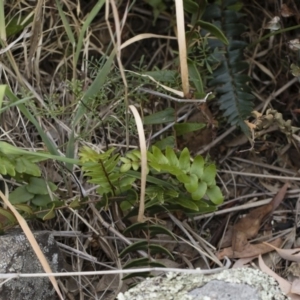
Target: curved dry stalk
143 149
182 47
127 271
31 239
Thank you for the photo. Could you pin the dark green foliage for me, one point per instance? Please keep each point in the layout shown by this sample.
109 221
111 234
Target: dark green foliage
148 247
34 193
173 181
191 182
234 93
101 168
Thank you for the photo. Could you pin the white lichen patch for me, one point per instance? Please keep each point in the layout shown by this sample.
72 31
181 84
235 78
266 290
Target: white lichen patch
175 286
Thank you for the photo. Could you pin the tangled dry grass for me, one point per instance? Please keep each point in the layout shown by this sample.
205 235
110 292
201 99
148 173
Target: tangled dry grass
52 63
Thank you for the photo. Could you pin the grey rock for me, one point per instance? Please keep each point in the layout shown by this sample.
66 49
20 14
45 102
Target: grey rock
233 284
17 256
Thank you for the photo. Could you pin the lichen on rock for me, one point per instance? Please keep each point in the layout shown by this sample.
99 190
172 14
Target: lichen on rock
233 284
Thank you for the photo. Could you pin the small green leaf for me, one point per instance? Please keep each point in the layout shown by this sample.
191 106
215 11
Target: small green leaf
41 200
152 202
17 24
155 166
134 155
190 6
184 128
87 154
135 263
2 93
130 196
165 116
7 215
125 167
125 160
126 181
40 186
172 157
25 208
30 168
171 169
102 190
172 193
111 164
192 185
184 160
50 214
75 203
196 78
215 195
135 226
47 215
214 30
197 166
139 274
158 156
20 195
3 170
169 141
155 264
8 166
183 178
157 229
20 167
203 208
163 75
154 249
209 174
141 245
135 165
237 6
200 191
185 203
125 205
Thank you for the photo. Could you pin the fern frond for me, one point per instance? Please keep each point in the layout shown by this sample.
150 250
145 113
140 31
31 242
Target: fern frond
102 170
234 93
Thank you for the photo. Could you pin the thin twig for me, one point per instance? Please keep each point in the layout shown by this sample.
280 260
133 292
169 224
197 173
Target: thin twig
128 271
145 90
284 178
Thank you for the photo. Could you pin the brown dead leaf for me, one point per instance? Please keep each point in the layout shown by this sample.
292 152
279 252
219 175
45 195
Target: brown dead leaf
242 262
248 227
288 254
227 239
108 282
285 286
293 271
286 11
295 289
249 250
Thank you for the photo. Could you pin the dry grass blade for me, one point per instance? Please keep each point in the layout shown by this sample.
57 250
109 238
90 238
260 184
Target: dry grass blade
36 33
284 284
118 52
176 92
182 47
129 271
2 23
33 243
143 36
288 254
143 149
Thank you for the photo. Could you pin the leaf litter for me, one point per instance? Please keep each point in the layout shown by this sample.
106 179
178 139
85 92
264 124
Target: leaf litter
247 228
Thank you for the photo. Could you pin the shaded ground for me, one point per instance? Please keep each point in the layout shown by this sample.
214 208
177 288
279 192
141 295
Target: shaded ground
251 170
